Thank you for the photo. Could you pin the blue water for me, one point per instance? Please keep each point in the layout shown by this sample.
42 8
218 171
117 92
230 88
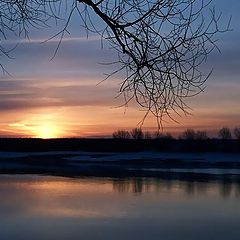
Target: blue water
40 207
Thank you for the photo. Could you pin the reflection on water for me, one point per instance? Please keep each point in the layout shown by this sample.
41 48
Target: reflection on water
144 185
40 207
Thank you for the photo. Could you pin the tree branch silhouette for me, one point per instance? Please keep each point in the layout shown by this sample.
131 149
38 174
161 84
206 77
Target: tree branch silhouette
161 44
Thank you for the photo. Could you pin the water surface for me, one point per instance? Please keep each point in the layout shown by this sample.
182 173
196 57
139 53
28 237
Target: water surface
42 207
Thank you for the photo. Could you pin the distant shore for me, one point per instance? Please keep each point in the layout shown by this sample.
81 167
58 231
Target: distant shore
190 166
211 159
117 145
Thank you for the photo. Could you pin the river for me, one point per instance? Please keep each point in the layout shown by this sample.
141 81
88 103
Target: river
49 207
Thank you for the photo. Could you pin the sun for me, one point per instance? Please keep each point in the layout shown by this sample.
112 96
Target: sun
47 131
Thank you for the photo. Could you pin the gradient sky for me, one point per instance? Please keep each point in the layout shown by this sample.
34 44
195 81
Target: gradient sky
61 98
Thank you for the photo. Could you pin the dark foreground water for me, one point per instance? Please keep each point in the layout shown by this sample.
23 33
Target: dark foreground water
40 207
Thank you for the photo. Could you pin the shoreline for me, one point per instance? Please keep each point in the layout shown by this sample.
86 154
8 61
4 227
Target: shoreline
118 145
167 165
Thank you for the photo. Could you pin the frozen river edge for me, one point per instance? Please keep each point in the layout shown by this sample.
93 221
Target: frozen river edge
167 165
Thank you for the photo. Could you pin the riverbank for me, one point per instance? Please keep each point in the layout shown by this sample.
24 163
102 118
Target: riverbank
117 145
165 165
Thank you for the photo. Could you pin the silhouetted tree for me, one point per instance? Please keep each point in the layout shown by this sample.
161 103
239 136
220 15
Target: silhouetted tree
188 134
237 132
137 133
122 134
225 133
160 44
160 135
157 134
147 135
201 135
168 135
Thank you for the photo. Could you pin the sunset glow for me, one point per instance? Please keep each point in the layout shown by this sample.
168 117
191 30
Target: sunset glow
62 97
46 131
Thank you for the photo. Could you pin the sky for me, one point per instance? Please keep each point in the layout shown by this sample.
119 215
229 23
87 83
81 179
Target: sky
61 97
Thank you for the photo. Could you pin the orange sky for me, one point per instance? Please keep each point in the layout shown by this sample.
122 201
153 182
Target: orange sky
39 107
102 120
61 98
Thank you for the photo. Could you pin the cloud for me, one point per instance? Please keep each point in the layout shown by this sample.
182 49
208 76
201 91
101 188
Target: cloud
38 94
74 59
50 39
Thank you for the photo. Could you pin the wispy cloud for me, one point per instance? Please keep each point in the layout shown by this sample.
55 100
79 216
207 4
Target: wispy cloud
53 39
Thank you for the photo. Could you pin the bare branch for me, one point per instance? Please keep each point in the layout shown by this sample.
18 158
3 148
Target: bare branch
161 45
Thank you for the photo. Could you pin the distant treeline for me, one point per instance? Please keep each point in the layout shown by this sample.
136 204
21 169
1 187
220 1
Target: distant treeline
224 133
119 145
